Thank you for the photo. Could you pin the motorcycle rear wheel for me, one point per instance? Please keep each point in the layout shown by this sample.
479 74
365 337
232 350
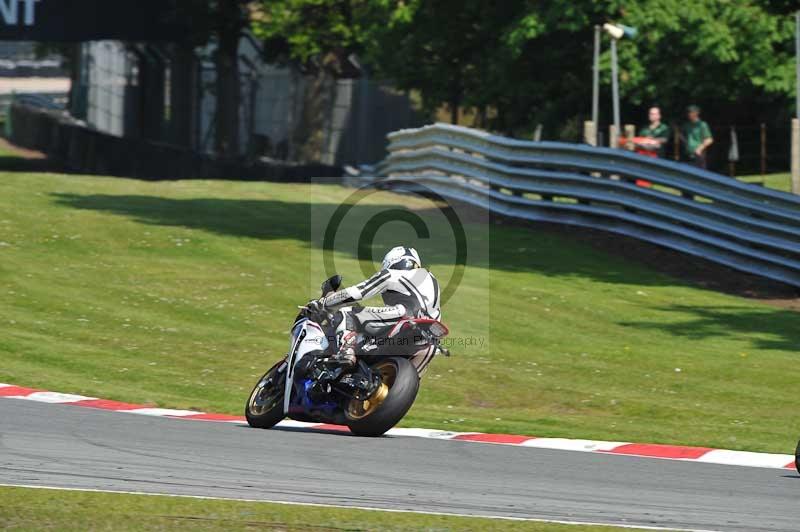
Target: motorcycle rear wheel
264 408
389 403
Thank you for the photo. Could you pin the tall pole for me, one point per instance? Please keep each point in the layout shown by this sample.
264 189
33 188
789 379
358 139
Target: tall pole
796 122
797 62
596 82
615 84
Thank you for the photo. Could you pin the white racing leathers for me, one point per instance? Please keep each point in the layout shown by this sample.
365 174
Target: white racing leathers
405 293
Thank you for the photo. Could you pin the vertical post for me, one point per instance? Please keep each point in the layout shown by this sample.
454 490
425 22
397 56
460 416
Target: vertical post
615 83
590 132
290 115
733 152
596 84
763 149
797 63
796 155
8 126
630 132
329 151
796 121
676 137
362 97
197 108
613 136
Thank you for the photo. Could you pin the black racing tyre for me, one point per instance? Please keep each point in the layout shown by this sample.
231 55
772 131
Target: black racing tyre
390 403
264 408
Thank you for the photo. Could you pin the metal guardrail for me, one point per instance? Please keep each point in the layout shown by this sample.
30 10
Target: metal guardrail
45 100
743 226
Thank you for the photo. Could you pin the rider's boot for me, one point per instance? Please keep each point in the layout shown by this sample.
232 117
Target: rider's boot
345 325
346 355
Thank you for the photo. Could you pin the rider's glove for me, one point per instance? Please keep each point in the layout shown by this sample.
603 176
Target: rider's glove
315 307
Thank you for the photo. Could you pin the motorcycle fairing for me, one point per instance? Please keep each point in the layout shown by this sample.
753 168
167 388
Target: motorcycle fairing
306 336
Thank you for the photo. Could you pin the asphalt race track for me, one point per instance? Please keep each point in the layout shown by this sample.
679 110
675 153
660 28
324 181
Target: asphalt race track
64 446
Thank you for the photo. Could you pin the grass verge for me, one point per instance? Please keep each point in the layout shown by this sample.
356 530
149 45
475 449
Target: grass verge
179 294
33 509
781 181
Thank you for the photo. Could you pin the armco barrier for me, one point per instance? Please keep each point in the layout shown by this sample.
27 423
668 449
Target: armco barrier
78 148
747 227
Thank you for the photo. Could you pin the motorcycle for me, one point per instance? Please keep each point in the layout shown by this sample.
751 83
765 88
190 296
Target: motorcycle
369 398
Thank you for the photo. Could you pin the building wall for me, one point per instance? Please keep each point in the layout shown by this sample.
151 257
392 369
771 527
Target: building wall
107 77
283 114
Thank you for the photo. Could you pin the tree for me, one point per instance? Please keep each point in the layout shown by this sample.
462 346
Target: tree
317 35
322 38
222 23
529 61
523 62
446 49
231 18
735 57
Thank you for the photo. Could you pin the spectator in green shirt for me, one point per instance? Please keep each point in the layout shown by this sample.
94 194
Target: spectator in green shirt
696 137
656 131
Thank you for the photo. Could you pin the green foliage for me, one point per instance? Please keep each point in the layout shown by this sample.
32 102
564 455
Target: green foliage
718 50
447 49
314 33
519 62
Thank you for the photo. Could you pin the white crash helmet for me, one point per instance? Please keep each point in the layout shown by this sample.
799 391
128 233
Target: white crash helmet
401 258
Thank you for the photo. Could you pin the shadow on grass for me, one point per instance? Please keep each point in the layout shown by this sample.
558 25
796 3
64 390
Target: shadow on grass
528 248
13 163
509 248
778 329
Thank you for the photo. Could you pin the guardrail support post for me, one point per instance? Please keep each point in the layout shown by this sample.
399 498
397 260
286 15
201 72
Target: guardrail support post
630 132
590 133
613 136
796 155
763 149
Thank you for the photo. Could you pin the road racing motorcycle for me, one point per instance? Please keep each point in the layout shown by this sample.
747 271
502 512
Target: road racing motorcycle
369 398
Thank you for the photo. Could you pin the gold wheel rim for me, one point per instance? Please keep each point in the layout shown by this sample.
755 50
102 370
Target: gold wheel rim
255 408
360 409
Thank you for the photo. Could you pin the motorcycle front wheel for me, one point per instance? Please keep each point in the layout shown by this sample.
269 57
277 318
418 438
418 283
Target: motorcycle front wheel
797 457
387 406
264 408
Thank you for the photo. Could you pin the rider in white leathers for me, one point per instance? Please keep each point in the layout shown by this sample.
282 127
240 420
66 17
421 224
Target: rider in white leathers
407 289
